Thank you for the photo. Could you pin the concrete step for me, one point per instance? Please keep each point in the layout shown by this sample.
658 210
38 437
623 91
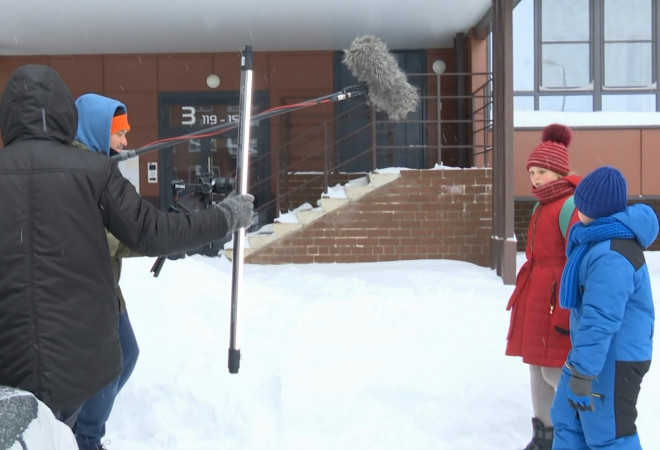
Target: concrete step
381 179
330 204
261 240
282 229
355 193
307 217
229 252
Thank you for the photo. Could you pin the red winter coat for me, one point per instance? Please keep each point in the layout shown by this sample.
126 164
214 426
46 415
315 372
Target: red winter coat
539 326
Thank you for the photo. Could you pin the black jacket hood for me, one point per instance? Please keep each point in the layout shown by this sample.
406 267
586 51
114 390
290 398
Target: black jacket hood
36 104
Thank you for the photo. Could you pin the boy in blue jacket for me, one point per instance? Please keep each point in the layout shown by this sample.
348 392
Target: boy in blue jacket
606 285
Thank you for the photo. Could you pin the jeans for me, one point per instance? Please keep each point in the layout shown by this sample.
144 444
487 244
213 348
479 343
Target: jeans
90 425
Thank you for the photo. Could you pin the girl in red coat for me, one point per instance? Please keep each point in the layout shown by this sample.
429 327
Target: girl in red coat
539 326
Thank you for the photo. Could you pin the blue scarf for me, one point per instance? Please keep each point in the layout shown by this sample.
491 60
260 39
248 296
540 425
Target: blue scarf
580 239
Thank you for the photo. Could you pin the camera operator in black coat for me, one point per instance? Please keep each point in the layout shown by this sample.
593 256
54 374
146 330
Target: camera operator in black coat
58 310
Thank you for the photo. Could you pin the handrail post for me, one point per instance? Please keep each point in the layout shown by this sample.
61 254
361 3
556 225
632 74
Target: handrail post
326 158
373 138
439 118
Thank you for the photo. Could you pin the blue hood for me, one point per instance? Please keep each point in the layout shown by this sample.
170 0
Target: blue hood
95 114
642 221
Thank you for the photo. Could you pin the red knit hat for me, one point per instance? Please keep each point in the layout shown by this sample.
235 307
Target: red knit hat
552 152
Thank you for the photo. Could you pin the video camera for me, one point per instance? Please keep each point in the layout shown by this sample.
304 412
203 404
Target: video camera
205 186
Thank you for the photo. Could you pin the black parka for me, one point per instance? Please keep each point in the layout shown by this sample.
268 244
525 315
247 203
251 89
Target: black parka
58 311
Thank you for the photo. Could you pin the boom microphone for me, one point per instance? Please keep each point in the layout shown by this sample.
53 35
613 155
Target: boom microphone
388 89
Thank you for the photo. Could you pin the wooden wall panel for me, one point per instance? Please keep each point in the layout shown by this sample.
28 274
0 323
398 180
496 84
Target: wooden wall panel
82 74
301 71
130 73
184 72
620 148
650 162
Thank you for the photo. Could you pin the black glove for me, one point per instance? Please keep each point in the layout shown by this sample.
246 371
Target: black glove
579 390
238 210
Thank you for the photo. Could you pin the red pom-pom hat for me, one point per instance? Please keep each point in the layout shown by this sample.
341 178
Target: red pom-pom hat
552 152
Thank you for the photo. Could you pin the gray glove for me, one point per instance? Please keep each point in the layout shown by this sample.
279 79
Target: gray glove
238 210
579 390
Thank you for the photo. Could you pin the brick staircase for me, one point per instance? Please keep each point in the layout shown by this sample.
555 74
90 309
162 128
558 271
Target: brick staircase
305 215
439 213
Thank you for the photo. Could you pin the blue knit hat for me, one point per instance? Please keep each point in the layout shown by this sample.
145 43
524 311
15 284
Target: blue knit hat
602 193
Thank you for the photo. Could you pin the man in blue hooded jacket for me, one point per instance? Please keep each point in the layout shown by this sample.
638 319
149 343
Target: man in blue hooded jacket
606 285
102 128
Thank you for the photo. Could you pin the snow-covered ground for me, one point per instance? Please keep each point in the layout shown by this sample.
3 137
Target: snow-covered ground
401 355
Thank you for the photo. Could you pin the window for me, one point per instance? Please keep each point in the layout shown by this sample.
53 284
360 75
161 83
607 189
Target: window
628 43
586 55
565 44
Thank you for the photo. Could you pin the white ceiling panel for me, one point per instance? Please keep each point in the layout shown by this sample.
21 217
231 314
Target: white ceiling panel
47 27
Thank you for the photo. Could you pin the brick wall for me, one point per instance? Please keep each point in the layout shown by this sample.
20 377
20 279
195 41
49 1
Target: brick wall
523 213
425 214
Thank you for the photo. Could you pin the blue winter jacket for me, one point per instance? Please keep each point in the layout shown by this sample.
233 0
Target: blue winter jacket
616 305
95 114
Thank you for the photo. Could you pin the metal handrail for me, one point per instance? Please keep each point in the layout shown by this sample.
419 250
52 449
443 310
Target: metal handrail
478 144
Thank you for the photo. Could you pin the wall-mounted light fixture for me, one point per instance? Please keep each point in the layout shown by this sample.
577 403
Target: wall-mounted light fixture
213 81
439 66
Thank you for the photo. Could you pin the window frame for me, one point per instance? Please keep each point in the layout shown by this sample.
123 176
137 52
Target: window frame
597 90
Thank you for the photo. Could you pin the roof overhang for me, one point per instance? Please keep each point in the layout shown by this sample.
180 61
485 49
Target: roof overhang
44 27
